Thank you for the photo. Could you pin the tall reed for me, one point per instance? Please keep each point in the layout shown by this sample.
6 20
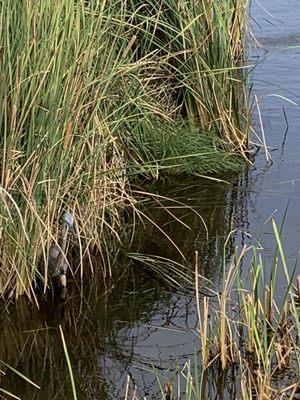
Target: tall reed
69 94
201 45
80 84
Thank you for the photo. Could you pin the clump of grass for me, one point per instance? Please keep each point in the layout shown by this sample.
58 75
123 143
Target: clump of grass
253 330
81 82
184 149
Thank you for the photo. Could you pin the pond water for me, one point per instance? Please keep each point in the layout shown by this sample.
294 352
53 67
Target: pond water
142 323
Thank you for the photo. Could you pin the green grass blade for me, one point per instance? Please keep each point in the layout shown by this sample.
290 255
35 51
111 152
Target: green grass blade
68 363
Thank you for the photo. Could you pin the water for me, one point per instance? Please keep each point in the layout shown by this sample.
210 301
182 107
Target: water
141 323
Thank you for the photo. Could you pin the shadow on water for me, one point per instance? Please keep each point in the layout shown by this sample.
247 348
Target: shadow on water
138 324
198 215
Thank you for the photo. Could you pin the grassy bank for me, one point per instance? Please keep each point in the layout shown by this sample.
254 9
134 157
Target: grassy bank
86 89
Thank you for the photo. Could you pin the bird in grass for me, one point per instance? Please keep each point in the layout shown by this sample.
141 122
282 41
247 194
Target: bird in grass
58 263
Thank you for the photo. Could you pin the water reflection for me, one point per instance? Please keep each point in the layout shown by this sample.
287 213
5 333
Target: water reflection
283 41
99 337
138 324
221 207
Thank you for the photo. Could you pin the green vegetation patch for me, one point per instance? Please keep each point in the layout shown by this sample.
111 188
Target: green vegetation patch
184 149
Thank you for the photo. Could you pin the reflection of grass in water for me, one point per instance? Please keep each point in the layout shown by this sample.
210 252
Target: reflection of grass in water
30 382
245 339
98 337
249 341
199 217
19 374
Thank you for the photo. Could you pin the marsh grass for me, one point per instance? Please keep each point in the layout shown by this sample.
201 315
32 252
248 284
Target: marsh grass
201 44
248 334
184 149
256 329
253 330
82 86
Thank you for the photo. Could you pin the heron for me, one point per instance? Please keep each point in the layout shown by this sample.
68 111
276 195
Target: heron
58 263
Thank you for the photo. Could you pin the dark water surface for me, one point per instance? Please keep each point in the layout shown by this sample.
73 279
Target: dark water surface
142 323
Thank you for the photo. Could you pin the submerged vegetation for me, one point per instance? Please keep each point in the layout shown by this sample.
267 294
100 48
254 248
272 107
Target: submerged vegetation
95 93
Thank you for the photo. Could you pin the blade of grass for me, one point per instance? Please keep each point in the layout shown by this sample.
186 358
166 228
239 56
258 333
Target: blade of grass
68 363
